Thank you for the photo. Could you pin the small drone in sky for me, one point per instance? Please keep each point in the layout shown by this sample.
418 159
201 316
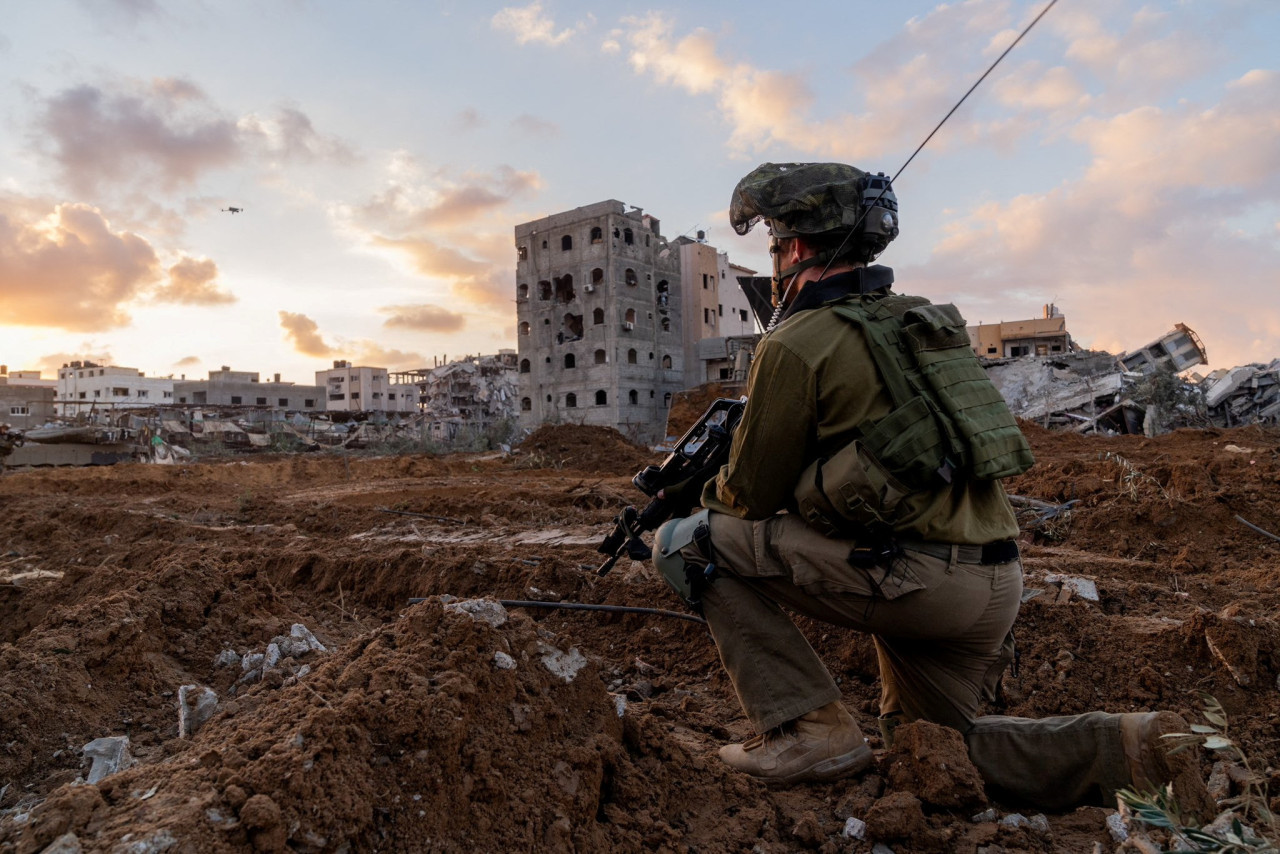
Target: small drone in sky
232 210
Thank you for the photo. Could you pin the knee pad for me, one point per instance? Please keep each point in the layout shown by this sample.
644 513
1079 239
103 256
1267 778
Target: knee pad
687 577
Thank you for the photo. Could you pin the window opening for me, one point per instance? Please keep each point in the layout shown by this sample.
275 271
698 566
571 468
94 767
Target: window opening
634 397
526 405
597 276
597 234
600 357
566 243
630 316
570 400
666 361
525 366
569 361
602 398
630 277
627 236
522 292
631 356
522 253
597 316
564 288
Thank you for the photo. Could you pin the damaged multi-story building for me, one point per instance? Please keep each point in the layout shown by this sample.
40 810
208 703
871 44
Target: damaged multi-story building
599 321
1010 339
610 315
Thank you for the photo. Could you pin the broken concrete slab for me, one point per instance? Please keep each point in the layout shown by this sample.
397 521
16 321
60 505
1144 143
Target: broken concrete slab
1085 588
563 664
483 610
196 704
109 755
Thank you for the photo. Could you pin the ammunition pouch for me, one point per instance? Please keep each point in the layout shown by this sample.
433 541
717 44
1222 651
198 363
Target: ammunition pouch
849 495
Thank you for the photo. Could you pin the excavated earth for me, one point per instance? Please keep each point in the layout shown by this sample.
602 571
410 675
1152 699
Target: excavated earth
445 727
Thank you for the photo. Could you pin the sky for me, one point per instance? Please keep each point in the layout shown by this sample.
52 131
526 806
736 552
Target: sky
1122 163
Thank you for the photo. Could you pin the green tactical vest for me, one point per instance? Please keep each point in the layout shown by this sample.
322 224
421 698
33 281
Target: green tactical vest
947 418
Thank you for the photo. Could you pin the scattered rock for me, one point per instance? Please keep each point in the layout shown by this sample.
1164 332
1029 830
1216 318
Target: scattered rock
196 704
302 633
619 704
271 657
933 762
985 815
1115 826
109 755
1219 784
227 658
1040 824
483 610
67 843
161 840
502 661
1221 826
252 661
1085 588
563 664
1015 819
854 828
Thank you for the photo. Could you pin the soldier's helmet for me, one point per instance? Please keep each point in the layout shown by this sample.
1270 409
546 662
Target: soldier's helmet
810 199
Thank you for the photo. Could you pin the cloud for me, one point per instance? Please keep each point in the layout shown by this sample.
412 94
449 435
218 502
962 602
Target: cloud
424 318
88 351
290 135
374 354
303 333
1148 235
453 229
188 362
193 281
468 120
534 126
112 13
165 132
530 25
69 269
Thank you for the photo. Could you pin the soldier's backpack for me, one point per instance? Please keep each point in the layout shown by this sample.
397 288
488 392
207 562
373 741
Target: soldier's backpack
948 419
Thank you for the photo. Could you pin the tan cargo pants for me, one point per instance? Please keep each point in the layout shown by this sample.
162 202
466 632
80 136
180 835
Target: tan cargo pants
940 629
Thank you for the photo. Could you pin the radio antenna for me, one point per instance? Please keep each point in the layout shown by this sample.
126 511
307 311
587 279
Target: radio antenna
858 222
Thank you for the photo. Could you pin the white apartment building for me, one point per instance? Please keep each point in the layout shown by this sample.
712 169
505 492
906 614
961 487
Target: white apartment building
86 386
351 388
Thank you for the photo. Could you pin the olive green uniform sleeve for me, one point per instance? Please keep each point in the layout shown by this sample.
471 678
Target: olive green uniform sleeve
774 440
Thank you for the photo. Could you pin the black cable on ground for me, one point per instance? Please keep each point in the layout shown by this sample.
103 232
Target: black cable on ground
579 606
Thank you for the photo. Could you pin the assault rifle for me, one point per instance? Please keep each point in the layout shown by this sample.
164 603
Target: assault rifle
696 459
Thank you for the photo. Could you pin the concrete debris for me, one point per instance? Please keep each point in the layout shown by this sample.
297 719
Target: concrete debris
281 652
196 704
1219 784
985 815
854 828
271 657
67 843
1221 826
1075 585
1015 819
227 658
252 661
161 840
300 632
1148 391
563 664
620 704
109 755
1116 827
483 610
1040 824
502 661
881 848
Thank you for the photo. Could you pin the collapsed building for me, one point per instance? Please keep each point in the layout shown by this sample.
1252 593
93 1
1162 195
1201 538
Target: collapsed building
1148 390
473 394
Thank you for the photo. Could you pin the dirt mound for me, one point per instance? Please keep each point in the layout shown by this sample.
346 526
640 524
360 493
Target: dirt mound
601 450
120 585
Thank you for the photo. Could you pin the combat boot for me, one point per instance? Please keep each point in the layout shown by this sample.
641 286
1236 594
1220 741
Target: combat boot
1151 767
825 744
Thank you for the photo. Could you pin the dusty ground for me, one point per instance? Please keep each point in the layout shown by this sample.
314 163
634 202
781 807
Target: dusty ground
424 728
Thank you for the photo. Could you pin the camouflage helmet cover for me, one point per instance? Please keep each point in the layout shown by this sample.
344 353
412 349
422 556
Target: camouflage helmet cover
798 198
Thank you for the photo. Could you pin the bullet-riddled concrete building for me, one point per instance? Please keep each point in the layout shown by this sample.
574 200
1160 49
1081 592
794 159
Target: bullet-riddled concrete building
599 320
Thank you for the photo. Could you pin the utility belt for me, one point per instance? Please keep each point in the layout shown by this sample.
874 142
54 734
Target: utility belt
992 554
